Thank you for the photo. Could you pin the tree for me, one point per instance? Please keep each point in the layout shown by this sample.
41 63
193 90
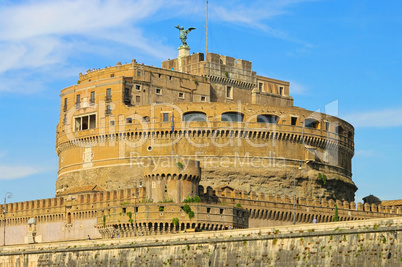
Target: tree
336 218
175 222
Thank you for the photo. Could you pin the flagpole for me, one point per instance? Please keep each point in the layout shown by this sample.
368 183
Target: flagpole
206 33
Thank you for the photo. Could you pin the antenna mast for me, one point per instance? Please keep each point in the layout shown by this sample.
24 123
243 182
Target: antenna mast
206 33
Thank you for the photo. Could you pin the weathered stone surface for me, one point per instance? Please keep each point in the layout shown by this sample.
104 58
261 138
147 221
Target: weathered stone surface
280 181
360 243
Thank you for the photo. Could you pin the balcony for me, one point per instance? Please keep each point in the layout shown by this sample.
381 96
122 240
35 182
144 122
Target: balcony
108 98
127 100
108 112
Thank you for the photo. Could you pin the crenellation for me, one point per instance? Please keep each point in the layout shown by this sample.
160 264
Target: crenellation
366 207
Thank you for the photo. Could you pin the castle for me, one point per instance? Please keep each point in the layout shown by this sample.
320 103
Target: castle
203 143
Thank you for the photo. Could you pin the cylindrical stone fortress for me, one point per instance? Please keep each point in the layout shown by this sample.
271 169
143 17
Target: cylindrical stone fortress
125 125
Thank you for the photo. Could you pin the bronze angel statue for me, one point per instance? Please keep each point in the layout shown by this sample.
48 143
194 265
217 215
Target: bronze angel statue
183 34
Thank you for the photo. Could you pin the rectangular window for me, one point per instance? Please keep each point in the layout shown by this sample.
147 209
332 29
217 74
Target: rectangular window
181 95
165 117
203 99
138 87
293 120
137 99
93 97
129 120
158 91
229 92
108 94
65 119
108 110
127 98
327 126
261 87
170 78
77 123
111 75
111 123
281 90
92 121
78 101
65 104
138 73
84 122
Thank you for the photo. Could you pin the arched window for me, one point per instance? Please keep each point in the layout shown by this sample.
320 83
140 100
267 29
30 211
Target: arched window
312 123
194 116
267 118
339 130
232 116
350 135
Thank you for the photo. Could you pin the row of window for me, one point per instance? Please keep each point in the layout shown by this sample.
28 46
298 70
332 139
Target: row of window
89 121
281 89
92 98
127 98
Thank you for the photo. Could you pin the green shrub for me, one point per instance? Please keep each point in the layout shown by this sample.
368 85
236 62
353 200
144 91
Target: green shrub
104 221
179 165
190 214
175 221
194 199
186 208
323 178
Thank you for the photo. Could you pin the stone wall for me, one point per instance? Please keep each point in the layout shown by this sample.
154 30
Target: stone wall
363 243
74 217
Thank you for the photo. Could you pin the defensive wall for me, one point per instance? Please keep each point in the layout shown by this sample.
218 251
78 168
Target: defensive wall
373 242
76 216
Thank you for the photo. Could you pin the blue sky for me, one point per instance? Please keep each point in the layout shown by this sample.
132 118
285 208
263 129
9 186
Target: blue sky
330 50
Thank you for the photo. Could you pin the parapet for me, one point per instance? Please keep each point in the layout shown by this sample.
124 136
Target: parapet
261 197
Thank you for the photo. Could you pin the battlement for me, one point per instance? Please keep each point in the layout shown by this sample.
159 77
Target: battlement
252 198
20 212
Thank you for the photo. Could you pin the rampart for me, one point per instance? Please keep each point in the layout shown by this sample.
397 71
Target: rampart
75 216
361 243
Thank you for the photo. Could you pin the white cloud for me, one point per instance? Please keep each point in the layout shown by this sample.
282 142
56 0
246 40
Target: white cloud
38 34
255 14
15 172
380 118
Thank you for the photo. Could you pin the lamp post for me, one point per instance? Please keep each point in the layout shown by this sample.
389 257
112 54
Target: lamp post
7 195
